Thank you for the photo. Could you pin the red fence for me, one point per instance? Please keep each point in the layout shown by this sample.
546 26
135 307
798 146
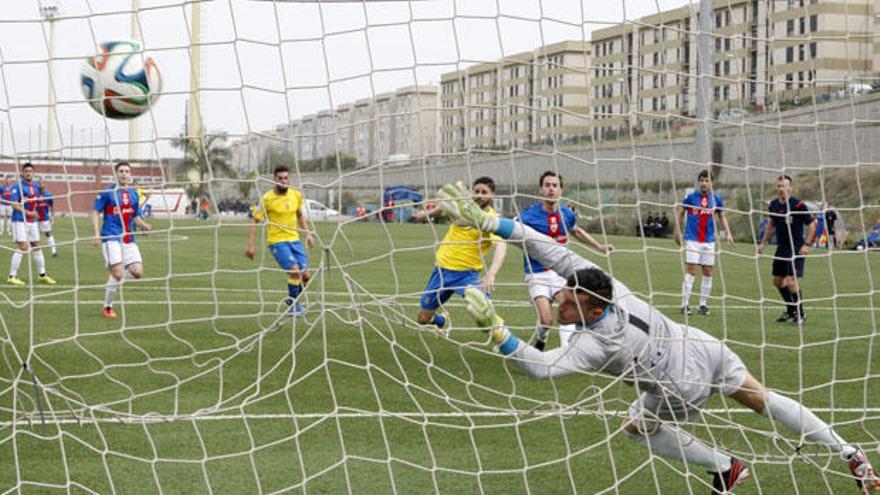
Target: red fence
75 183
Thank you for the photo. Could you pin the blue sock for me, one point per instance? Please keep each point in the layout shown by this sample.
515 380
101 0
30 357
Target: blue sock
439 320
293 291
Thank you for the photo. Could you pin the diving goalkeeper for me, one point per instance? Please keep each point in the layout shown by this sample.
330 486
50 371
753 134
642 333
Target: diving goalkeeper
674 368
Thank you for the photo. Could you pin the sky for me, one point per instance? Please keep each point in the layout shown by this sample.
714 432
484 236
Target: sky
264 63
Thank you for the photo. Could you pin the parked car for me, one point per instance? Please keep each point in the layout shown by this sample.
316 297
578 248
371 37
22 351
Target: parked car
858 89
733 115
317 211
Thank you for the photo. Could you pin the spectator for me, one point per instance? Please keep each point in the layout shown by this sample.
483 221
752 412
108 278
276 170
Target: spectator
204 206
871 239
831 236
664 225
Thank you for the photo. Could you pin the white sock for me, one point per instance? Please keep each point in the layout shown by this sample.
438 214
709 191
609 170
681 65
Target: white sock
801 420
52 244
2 219
16 262
676 444
705 290
40 261
686 289
565 333
110 291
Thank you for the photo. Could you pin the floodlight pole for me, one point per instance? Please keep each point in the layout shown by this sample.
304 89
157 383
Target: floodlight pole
194 131
703 140
133 123
50 14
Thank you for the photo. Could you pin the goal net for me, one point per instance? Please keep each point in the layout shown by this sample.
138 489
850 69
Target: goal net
205 383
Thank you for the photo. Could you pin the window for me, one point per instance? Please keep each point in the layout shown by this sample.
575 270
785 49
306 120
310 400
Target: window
726 94
717 44
789 54
814 23
803 25
727 44
717 93
813 49
656 58
717 69
801 53
788 80
727 67
789 27
718 20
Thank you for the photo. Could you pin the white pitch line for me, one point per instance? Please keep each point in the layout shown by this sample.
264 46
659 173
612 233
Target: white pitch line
384 414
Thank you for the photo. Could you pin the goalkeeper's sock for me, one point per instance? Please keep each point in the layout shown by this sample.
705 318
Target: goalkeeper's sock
686 289
787 297
439 320
801 420
110 291
16 263
676 444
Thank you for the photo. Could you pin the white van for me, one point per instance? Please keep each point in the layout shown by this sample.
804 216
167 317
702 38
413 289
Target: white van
858 89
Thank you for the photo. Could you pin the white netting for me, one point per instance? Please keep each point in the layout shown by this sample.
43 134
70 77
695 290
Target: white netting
204 384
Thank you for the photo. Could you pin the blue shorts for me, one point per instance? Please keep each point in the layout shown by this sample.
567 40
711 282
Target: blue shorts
288 253
443 283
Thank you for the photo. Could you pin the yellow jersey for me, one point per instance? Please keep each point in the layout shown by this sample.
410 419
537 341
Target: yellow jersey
280 210
463 248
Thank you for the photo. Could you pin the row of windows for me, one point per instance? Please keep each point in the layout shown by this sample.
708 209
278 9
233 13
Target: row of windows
802 23
801 49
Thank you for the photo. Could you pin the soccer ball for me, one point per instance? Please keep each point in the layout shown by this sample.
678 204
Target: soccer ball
120 82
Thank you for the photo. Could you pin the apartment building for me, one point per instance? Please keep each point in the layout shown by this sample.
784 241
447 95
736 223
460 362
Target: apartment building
526 98
762 52
417 121
344 128
364 129
821 45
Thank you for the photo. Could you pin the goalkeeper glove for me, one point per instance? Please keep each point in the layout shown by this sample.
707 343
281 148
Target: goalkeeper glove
456 202
479 306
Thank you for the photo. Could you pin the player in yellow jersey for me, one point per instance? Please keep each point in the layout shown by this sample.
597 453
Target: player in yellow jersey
460 260
283 208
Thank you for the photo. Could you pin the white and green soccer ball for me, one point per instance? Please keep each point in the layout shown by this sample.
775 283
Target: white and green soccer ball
121 82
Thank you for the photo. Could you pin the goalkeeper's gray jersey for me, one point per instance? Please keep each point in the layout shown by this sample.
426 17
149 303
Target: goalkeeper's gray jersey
632 339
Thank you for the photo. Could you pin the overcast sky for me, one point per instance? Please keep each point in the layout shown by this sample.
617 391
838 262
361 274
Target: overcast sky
265 63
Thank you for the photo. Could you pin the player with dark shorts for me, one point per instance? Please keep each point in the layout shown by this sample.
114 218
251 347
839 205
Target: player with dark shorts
789 219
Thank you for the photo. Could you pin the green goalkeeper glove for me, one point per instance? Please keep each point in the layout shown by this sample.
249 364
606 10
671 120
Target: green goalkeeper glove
455 200
479 306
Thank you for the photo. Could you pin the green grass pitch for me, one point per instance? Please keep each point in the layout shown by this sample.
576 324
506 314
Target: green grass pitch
355 397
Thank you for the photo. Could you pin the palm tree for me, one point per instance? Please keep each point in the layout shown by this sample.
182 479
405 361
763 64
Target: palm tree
203 162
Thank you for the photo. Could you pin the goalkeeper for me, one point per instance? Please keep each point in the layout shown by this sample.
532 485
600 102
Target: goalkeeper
674 368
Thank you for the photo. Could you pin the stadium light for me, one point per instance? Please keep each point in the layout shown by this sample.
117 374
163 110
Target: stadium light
50 13
703 138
